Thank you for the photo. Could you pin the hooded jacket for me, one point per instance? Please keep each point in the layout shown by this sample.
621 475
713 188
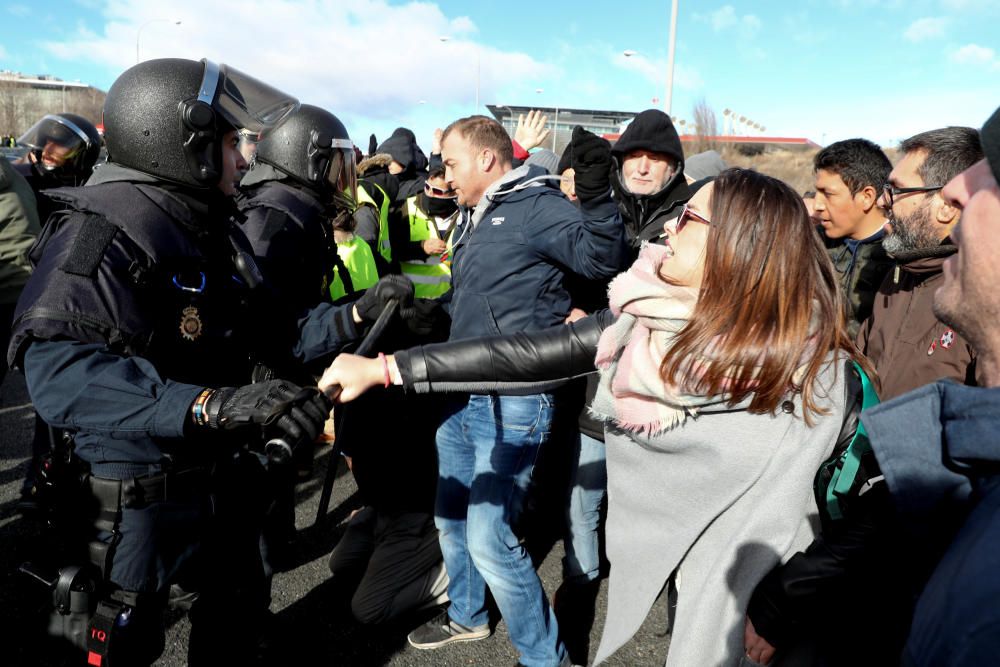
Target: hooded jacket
644 215
516 246
909 346
402 146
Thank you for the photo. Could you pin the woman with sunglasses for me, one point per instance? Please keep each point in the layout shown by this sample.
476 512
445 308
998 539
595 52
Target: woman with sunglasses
722 388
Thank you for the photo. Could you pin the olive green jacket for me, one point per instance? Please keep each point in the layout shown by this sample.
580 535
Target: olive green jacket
18 229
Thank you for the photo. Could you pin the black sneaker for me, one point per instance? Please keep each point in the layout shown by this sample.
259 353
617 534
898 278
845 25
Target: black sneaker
441 630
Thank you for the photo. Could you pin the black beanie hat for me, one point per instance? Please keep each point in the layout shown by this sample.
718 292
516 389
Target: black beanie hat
989 136
566 160
653 131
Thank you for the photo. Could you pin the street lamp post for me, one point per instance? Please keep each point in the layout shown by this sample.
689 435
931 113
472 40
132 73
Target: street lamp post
139 32
670 57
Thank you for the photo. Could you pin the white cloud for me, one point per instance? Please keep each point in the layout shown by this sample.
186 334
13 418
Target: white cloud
925 28
19 10
723 17
359 58
3 52
973 54
655 71
463 25
726 17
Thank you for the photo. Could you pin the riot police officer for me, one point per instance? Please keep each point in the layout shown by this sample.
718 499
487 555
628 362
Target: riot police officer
301 179
140 332
62 151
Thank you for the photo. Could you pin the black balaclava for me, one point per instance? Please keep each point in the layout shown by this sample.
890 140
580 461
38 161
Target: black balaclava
439 207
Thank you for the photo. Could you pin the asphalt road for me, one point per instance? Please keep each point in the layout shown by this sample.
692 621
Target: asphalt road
309 627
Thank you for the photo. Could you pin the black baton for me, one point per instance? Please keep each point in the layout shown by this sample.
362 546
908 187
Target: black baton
333 392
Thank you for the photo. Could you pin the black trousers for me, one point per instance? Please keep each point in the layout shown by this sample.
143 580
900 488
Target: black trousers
389 565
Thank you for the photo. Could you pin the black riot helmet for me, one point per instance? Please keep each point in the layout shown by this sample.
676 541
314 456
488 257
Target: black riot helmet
167 117
63 146
312 146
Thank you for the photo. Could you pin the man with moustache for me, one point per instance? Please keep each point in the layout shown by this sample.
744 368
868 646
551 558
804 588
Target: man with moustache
938 444
909 346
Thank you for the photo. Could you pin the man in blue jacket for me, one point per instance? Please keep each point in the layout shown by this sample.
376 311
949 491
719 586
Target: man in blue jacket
518 241
937 445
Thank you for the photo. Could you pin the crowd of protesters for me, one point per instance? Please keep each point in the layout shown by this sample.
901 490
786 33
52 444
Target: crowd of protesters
773 407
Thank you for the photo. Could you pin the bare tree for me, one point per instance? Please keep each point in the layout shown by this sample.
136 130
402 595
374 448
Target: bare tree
706 127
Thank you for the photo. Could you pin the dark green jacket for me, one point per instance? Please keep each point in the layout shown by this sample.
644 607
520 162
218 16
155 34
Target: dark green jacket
861 266
18 229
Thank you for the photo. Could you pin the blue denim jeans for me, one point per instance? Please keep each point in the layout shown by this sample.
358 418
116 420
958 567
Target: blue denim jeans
486 451
588 486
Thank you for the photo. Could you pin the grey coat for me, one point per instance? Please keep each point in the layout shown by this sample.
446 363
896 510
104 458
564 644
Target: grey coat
721 499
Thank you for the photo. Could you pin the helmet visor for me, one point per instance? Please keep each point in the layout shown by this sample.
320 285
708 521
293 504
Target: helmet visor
342 174
58 142
245 102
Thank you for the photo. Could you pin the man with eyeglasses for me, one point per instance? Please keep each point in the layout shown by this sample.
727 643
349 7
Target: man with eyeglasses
938 444
419 236
909 346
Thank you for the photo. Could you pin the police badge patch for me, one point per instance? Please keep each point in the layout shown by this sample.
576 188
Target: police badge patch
190 323
948 339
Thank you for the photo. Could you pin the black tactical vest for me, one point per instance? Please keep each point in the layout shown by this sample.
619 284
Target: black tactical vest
121 268
270 207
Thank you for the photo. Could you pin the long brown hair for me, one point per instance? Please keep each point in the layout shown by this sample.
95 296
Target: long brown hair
769 300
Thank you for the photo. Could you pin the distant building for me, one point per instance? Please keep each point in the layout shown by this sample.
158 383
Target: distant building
603 123
24 99
610 124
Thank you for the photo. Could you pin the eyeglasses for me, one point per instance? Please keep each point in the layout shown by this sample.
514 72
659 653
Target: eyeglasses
438 192
686 216
890 192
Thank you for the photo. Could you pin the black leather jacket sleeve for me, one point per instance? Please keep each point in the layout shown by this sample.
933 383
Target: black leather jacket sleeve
521 363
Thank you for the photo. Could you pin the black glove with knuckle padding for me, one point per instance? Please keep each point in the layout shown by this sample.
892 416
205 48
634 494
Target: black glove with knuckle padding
373 301
591 164
298 413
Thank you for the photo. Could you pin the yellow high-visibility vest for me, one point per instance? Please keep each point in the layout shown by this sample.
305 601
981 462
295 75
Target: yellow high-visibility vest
360 262
430 277
384 248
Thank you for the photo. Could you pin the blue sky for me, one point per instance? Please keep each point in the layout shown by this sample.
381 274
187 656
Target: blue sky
824 70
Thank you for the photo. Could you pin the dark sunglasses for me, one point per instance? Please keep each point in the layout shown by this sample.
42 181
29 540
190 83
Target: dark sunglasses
891 192
438 192
688 215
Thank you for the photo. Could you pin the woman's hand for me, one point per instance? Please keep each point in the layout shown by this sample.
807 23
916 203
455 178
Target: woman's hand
354 374
756 646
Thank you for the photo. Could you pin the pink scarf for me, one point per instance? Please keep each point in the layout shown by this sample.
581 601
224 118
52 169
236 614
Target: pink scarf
631 393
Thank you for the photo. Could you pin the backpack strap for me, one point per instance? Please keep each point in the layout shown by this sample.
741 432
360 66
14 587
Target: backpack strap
846 470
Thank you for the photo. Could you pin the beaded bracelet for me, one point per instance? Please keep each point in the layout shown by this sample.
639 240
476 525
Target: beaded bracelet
385 369
198 407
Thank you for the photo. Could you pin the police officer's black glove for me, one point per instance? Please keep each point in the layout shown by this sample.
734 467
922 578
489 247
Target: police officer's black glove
297 413
592 165
426 317
374 300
